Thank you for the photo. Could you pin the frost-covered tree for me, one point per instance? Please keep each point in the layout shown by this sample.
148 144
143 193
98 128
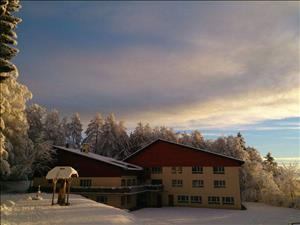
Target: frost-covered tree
197 140
93 133
52 128
141 136
36 116
114 141
65 131
75 130
10 104
184 138
8 24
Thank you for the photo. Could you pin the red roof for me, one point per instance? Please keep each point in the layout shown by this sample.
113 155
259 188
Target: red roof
167 153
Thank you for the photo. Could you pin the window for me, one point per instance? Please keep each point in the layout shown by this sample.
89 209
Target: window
183 199
196 199
219 170
219 183
156 170
228 200
173 170
198 183
123 200
85 182
129 182
213 200
177 169
123 182
197 169
102 199
133 182
128 199
177 183
156 181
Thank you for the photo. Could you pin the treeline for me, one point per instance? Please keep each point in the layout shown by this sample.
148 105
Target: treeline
262 179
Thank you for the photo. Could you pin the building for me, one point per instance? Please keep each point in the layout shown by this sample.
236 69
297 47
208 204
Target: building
162 173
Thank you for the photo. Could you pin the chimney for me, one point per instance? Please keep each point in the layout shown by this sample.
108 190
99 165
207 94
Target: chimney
85 148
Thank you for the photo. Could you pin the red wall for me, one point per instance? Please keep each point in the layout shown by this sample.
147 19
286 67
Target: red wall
162 153
87 167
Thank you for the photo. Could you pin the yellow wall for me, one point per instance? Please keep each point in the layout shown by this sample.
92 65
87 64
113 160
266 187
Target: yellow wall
231 178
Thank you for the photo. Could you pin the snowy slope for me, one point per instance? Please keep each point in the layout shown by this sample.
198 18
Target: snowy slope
39 212
256 214
18 209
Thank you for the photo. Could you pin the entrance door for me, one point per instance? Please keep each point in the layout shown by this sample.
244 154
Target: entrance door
171 200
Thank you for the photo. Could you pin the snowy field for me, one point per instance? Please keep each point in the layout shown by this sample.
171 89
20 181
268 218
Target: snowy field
19 209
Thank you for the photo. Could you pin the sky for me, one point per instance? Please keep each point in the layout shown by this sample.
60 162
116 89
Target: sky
219 67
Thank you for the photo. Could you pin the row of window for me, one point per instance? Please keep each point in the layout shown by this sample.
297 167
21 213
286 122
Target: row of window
124 182
195 170
199 183
212 200
124 199
128 182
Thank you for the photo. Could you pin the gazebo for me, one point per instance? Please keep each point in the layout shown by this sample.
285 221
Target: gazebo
62 175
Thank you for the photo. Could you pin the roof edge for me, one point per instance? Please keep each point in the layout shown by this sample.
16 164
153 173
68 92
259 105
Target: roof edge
105 159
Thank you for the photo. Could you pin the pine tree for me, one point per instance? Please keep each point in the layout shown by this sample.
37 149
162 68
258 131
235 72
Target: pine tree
52 128
141 136
36 116
75 130
114 141
93 133
8 24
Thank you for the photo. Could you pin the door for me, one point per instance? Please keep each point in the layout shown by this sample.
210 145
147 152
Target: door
171 200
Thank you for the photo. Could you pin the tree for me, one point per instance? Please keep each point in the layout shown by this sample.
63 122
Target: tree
93 132
8 24
52 128
36 116
13 95
114 141
75 130
197 139
141 136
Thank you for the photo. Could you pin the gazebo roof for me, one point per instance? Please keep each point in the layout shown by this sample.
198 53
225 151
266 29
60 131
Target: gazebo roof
61 172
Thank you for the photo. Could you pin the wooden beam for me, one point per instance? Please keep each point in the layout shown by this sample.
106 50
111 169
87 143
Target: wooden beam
54 189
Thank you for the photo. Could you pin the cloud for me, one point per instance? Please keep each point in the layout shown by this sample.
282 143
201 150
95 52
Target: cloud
194 65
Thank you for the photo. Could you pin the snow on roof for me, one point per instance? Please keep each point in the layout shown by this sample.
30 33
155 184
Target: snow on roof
112 161
186 146
61 172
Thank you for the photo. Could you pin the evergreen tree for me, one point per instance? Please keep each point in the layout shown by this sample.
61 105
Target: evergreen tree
75 130
52 130
8 24
114 141
36 116
141 136
93 133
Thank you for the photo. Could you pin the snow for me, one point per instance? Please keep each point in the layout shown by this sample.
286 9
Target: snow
40 212
20 209
256 214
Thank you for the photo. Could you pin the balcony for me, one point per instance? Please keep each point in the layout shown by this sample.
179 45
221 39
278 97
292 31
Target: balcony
119 190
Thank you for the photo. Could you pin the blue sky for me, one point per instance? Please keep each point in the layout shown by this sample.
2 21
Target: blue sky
220 67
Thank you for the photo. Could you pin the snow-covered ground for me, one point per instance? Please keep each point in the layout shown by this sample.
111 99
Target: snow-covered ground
39 212
256 214
19 209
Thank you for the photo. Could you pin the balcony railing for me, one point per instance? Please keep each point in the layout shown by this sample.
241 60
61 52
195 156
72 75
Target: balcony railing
120 189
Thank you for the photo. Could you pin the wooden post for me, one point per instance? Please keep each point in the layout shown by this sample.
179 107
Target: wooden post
68 193
54 189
